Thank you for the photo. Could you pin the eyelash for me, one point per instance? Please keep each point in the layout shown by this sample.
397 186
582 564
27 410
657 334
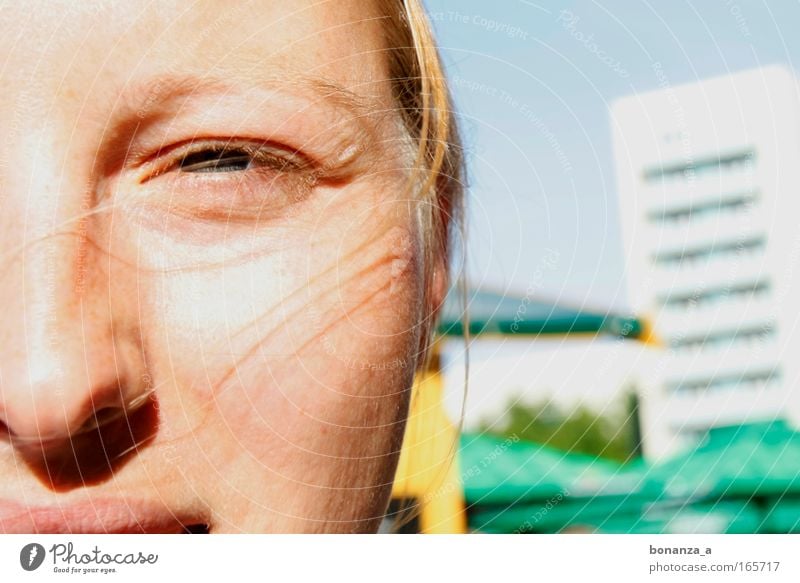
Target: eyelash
258 156
229 179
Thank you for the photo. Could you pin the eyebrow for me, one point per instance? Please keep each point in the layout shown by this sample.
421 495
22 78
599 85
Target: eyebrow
142 103
159 90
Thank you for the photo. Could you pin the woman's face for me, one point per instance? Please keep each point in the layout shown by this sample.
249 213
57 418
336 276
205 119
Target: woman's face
208 253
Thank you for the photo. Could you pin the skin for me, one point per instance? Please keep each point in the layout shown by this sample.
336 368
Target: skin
248 337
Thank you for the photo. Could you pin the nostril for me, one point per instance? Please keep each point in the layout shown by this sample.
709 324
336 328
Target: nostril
86 458
101 417
50 419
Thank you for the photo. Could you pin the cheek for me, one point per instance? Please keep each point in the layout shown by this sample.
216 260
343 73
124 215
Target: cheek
300 358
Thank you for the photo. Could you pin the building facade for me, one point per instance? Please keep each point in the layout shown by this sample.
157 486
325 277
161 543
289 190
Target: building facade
709 186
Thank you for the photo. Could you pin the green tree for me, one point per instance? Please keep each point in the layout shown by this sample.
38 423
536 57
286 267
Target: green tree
613 435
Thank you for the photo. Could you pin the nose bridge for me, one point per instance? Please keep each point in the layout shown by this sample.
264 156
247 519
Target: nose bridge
53 237
58 364
47 196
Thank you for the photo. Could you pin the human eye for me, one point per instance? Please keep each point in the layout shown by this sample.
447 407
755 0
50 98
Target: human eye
232 157
224 159
229 179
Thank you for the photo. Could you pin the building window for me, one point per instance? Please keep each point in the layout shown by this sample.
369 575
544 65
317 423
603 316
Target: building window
732 203
749 336
745 247
715 295
690 169
753 380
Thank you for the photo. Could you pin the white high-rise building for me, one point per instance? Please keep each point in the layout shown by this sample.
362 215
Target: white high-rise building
709 185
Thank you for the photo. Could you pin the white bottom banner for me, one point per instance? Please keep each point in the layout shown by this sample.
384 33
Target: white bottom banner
416 558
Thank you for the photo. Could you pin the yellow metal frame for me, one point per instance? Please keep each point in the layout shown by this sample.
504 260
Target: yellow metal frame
428 469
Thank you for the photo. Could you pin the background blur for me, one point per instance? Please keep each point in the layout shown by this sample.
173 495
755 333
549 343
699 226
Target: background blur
630 266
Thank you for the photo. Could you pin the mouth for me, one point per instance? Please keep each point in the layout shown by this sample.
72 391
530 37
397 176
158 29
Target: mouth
99 517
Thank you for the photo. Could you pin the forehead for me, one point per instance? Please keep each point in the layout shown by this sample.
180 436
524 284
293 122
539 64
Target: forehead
63 49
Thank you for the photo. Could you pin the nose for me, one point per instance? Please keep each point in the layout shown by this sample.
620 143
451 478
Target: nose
67 372
68 358
67 379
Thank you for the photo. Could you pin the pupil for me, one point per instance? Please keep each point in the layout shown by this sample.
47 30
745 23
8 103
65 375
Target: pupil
210 161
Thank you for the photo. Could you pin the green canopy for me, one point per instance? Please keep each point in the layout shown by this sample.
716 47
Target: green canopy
624 516
498 313
741 479
782 516
598 514
761 459
501 471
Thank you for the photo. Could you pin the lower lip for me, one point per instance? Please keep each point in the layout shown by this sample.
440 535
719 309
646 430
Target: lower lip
99 517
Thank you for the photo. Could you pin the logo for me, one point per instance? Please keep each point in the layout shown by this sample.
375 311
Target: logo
31 556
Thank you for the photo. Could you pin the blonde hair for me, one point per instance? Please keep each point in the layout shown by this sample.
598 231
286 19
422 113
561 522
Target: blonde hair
420 89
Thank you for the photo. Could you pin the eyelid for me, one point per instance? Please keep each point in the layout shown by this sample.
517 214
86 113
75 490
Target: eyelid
276 157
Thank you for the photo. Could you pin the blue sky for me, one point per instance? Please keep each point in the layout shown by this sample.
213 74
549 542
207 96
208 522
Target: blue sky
533 83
